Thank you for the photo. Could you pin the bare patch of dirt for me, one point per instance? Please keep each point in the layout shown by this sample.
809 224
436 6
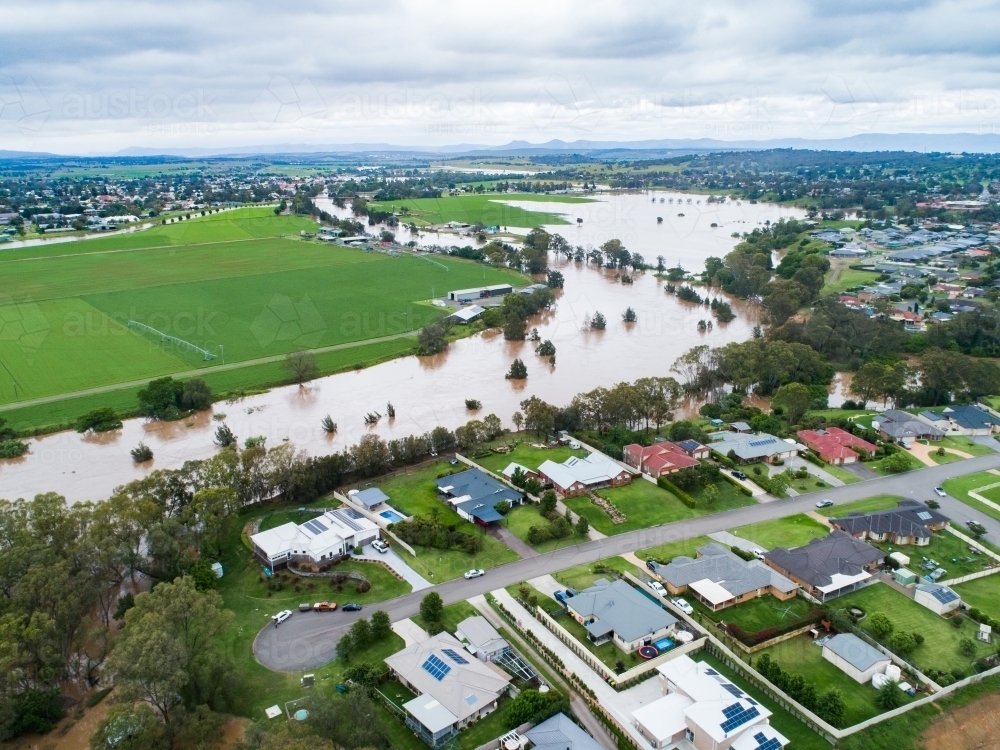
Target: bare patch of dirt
972 727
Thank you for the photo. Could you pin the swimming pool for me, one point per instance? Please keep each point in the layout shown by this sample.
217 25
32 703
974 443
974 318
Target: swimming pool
391 516
664 644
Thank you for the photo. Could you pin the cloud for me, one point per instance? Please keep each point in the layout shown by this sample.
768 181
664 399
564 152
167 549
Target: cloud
116 74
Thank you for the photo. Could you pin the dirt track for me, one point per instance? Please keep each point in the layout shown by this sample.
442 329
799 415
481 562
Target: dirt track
972 727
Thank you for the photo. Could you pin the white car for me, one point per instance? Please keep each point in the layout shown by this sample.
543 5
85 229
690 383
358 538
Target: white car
282 616
683 606
474 573
824 503
380 546
657 587
939 491
759 554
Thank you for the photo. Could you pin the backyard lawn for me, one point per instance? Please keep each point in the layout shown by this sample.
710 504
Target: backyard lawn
869 504
799 735
800 655
664 553
527 455
953 554
792 531
645 504
757 614
959 489
940 648
414 493
983 594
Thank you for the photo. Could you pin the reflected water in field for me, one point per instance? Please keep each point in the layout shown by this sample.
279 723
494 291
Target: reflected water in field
431 391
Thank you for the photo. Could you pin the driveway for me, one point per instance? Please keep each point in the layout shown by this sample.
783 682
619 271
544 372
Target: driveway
858 469
397 563
308 640
731 540
409 631
505 535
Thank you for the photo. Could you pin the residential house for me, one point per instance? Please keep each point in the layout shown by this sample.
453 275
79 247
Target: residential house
474 495
718 578
855 658
614 611
966 419
702 709
577 476
327 537
937 598
911 522
741 427
453 689
369 499
513 466
829 566
751 448
560 732
694 449
659 459
835 446
904 427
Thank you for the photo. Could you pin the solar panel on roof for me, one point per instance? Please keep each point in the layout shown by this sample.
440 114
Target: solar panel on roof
944 595
731 711
763 743
309 525
924 515
733 690
711 671
346 520
738 719
322 526
454 656
437 668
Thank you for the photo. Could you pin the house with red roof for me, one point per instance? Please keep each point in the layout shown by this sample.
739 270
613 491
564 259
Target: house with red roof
663 458
836 446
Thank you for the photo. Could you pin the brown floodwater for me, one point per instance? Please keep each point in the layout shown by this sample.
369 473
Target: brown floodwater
431 391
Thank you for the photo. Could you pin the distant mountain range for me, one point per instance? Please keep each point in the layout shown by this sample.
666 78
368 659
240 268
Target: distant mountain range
921 142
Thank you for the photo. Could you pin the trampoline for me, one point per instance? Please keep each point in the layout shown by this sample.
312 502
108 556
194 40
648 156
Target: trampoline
648 652
664 644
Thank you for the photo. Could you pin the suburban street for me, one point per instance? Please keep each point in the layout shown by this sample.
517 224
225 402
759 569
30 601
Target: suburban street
308 640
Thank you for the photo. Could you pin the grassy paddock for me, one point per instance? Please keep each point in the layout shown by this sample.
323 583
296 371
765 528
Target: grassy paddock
664 553
960 487
485 209
873 503
983 594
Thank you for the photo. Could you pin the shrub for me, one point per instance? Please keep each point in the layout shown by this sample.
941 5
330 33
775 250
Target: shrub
956 621
879 625
99 420
903 643
13 448
518 371
676 491
142 453
967 647
473 404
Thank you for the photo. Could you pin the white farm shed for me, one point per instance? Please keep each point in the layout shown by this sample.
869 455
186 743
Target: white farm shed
936 598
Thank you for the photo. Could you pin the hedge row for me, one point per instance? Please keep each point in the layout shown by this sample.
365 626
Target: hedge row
676 491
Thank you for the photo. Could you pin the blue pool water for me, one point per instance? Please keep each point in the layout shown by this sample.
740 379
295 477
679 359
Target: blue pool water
664 644
391 516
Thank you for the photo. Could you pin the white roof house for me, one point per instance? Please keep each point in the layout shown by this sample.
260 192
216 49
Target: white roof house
577 474
704 708
331 535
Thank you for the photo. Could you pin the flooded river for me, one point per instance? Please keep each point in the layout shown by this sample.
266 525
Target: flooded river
431 391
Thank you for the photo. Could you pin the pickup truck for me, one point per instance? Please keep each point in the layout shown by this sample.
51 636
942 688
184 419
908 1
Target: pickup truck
324 606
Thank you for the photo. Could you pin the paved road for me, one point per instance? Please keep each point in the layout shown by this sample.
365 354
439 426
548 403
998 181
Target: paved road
308 640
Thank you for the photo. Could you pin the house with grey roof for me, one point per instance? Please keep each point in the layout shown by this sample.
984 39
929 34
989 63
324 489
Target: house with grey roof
854 657
718 578
910 522
474 495
829 566
481 639
963 419
453 688
904 427
369 499
615 611
560 732
749 448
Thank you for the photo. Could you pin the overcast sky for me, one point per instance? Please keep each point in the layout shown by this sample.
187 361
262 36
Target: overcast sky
97 77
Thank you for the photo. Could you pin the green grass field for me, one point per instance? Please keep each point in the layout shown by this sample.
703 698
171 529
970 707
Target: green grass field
645 504
757 614
664 553
223 282
520 520
583 576
792 531
869 504
982 593
839 279
527 455
960 487
486 209
940 647
451 615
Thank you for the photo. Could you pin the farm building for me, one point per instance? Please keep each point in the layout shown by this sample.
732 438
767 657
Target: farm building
327 537
718 578
702 709
910 523
829 566
936 597
452 690
614 611
467 314
474 494
854 657
659 459
576 476
836 446
465 296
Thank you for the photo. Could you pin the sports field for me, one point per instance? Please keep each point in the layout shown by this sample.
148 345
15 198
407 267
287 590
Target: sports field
486 209
228 283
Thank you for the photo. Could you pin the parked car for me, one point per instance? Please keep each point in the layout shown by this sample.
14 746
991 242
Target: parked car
352 607
652 564
570 593
380 546
281 616
324 606
759 554
657 587
824 503
474 573
739 474
560 596
453 462
940 492
683 606
305 607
